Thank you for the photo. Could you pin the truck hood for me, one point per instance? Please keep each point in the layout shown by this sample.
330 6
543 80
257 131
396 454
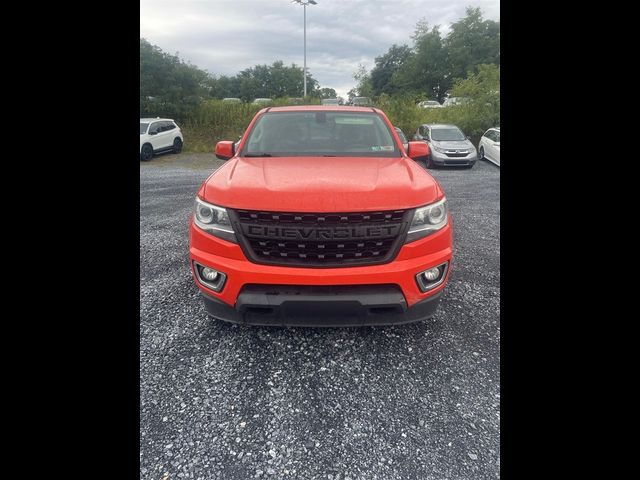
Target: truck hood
321 184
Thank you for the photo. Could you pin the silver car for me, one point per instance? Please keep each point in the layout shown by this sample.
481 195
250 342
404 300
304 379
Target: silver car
489 146
448 145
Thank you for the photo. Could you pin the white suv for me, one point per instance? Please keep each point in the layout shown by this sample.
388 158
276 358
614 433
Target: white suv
159 135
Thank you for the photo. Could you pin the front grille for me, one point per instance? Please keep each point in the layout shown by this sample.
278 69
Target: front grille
453 154
320 239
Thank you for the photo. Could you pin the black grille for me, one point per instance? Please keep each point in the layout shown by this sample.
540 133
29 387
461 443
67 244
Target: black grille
320 239
454 155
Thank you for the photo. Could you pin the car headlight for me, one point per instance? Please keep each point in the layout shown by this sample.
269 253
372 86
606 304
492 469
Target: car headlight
214 220
427 220
438 149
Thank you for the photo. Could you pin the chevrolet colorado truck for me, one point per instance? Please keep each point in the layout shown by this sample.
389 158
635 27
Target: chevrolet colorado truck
320 217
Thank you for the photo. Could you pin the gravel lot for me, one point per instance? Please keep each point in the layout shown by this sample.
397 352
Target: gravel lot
221 401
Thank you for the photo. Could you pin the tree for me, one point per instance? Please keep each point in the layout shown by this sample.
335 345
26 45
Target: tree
176 86
364 87
387 66
328 93
472 41
426 70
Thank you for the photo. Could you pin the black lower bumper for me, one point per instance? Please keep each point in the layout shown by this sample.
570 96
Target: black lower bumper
321 306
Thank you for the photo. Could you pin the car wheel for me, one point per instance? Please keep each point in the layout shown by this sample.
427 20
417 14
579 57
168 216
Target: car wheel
146 153
177 145
429 163
481 152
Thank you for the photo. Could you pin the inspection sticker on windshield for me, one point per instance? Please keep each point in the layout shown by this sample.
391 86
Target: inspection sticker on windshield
382 148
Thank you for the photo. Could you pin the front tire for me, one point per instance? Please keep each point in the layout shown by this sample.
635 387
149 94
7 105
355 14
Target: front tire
146 153
481 152
429 162
177 145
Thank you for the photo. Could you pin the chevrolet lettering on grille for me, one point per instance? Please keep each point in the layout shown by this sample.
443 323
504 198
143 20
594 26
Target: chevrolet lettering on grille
321 233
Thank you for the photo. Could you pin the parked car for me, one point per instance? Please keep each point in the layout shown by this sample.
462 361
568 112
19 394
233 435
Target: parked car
361 102
320 218
330 101
489 146
231 100
262 101
451 101
159 135
403 138
429 104
449 146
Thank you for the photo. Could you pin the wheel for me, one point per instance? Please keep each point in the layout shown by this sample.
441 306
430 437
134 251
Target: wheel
481 152
429 163
177 145
146 153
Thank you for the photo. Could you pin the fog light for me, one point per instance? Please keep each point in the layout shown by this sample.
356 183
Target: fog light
432 278
209 277
209 274
431 274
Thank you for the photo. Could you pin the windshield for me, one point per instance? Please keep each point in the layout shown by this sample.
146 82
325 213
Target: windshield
143 128
447 134
320 133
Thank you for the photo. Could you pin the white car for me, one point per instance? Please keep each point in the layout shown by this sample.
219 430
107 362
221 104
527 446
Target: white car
159 135
451 101
429 104
489 146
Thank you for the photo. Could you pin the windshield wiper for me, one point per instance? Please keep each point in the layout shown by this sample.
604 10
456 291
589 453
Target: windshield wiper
258 155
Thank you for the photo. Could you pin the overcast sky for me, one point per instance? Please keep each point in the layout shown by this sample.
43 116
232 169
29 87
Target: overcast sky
227 36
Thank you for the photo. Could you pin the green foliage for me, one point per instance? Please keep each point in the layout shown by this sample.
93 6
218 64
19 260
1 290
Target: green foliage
430 68
473 118
172 88
388 66
168 86
471 42
328 93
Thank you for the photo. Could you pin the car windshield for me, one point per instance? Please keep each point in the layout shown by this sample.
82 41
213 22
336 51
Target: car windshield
320 133
447 134
143 128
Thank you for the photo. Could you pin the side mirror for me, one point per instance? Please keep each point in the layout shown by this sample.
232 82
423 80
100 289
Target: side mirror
418 149
497 144
468 137
225 150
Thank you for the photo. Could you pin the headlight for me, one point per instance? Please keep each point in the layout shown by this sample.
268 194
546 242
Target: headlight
439 149
214 220
427 220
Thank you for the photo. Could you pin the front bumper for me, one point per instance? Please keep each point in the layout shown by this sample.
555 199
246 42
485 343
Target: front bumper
351 306
443 159
399 274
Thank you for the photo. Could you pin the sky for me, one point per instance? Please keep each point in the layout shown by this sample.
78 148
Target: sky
227 36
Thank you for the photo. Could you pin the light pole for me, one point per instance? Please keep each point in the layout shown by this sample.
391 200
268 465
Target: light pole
304 70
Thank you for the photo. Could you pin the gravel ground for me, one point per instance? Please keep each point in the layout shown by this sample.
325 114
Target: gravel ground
221 401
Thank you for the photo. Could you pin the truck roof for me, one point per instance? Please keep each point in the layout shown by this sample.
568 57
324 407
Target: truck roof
311 108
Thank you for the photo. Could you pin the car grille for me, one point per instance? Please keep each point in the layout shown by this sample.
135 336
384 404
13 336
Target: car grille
320 239
457 153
